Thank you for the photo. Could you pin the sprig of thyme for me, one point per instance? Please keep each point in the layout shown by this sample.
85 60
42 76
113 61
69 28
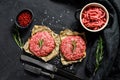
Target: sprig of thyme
99 53
17 37
74 45
41 43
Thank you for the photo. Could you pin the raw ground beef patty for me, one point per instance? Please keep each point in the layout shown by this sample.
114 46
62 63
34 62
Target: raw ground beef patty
73 47
41 44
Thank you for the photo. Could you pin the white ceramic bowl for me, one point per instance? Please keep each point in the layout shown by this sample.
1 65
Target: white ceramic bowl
96 5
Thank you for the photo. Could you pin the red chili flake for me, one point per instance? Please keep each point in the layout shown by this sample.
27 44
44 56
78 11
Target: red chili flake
24 18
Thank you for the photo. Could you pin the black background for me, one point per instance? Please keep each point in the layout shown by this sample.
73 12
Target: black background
58 15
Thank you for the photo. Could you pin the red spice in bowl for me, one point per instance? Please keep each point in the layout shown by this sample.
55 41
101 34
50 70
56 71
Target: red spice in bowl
94 17
24 18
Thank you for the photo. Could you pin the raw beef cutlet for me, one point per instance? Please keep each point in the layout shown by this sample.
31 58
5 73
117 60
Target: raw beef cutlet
43 43
72 47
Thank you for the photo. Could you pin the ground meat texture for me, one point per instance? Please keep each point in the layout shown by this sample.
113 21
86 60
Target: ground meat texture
73 48
47 44
94 17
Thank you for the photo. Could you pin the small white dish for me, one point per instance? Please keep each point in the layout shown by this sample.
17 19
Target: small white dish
95 5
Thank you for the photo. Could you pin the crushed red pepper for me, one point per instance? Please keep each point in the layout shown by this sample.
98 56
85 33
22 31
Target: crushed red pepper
24 18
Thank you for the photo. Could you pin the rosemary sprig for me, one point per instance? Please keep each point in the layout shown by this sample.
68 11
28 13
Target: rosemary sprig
74 45
99 53
17 37
41 43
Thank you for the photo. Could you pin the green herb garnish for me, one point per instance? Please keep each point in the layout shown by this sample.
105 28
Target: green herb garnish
17 38
74 45
99 53
41 42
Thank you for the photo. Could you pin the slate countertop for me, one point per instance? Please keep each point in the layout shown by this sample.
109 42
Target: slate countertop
58 15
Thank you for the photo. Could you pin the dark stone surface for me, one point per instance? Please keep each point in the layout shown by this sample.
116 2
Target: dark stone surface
58 15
